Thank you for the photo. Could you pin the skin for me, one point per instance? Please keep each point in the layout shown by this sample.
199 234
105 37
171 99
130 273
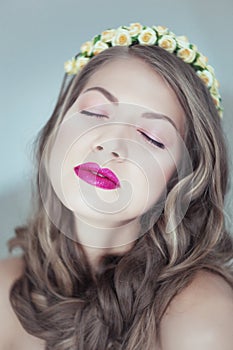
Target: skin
108 220
201 316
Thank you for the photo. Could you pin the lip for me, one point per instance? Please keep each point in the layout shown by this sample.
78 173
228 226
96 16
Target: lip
108 180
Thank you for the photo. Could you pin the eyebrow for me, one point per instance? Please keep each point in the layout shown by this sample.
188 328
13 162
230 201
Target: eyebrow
148 115
105 92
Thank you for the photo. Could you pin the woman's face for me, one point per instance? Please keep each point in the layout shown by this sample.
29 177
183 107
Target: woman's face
126 119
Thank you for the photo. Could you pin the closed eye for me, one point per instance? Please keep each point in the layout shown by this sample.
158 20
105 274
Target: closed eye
148 139
154 142
93 114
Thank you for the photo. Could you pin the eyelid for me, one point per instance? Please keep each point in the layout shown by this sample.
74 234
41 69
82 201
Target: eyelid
158 139
93 113
152 140
143 133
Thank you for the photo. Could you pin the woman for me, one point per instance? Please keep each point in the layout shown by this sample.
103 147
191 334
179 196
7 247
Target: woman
127 247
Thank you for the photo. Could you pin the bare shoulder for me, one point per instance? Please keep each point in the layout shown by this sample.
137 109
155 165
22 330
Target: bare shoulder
10 270
201 316
12 334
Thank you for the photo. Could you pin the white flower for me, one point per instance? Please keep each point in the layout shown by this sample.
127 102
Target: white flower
168 43
70 66
216 99
216 82
135 29
194 47
81 62
161 30
206 77
99 46
108 35
172 34
182 41
201 61
147 37
210 68
220 112
74 65
187 55
122 38
214 87
87 47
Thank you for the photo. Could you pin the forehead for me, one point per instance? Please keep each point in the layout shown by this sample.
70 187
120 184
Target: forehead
133 81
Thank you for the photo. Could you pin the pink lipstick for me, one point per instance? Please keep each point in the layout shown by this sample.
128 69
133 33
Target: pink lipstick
93 174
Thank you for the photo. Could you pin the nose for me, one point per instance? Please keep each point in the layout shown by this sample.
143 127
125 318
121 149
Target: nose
116 154
115 146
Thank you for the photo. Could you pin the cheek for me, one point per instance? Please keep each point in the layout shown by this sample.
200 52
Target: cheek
70 132
156 172
163 167
164 164
170 165
74 130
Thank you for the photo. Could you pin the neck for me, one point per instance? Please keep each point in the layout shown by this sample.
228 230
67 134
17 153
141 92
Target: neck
98 240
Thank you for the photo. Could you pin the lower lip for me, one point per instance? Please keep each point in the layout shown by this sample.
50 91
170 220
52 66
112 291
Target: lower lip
96 180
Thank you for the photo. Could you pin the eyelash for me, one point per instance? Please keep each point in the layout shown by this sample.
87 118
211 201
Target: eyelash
95 114
148 139
155 143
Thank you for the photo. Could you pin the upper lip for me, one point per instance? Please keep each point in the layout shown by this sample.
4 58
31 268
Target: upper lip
94 167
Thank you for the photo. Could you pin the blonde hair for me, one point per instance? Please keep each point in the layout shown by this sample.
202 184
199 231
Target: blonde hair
61 300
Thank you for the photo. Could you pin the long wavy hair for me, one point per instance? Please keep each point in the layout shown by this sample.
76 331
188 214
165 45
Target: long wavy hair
59 298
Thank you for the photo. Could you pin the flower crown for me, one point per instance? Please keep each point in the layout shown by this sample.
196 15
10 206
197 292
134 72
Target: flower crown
144 35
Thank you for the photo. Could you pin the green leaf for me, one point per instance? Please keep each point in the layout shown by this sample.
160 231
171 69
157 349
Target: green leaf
135 40
96 38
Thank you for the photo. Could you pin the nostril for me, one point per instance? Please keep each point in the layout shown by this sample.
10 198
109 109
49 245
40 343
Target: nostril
115 154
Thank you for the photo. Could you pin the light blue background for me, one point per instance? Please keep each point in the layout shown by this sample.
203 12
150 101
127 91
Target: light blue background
37 37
